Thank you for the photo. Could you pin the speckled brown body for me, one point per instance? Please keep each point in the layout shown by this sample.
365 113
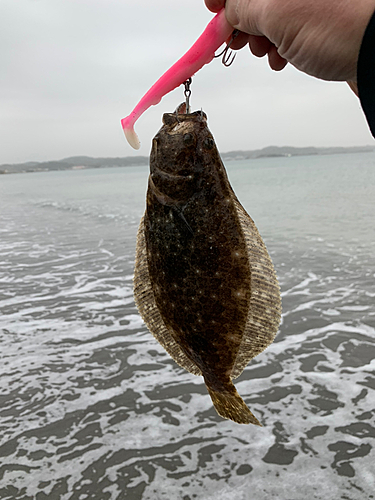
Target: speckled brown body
194 282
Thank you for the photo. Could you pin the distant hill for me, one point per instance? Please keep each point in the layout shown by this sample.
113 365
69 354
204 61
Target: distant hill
276 151
73 163
81 162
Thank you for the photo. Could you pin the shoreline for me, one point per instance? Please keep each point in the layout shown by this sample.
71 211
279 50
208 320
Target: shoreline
86 162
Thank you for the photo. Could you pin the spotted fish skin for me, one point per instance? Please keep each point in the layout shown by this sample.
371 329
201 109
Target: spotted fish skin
204 282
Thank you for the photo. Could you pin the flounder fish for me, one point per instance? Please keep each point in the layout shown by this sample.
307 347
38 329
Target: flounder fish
204 282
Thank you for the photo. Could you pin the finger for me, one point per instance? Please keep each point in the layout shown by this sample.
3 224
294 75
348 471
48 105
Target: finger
240 41
275 60
214 5
259 45
353 86
239 15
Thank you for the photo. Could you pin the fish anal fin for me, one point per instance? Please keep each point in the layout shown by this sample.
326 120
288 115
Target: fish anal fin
145 302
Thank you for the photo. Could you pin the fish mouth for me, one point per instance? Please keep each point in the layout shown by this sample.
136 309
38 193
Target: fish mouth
174 118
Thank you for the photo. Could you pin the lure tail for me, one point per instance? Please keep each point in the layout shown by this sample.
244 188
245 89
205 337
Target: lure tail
130 134
231 406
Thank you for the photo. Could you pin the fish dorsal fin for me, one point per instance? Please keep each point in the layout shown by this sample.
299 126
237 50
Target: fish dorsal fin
265 302
145 302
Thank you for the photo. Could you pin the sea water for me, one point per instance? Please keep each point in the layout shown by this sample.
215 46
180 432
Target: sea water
92 407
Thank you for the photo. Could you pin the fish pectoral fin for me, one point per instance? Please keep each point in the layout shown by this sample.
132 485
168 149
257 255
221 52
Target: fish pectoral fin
182 217
231 406
162 198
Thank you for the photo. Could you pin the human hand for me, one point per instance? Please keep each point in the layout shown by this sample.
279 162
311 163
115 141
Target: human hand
319 37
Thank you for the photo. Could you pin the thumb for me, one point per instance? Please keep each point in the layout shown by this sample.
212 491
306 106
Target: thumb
241 17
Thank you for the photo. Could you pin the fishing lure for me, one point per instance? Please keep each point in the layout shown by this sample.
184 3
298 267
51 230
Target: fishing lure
201 53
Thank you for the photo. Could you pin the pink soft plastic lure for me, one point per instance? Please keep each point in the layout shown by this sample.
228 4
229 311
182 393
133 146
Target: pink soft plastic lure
201 53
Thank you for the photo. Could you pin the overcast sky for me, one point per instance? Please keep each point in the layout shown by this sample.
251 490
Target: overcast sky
71 69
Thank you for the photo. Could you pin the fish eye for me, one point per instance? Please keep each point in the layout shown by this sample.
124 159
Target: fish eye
209 143
188 139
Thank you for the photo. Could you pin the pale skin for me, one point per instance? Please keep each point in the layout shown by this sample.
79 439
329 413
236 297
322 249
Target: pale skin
319 37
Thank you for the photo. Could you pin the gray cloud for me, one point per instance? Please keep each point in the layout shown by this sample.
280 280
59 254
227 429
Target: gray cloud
70 70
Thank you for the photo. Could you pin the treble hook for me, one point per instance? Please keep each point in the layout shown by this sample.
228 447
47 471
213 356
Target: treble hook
227 60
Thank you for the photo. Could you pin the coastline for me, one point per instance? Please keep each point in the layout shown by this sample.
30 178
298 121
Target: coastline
85 162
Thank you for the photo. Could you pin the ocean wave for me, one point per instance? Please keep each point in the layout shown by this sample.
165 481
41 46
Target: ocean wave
93 407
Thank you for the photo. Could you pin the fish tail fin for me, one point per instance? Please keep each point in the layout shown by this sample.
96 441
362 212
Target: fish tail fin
229 404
